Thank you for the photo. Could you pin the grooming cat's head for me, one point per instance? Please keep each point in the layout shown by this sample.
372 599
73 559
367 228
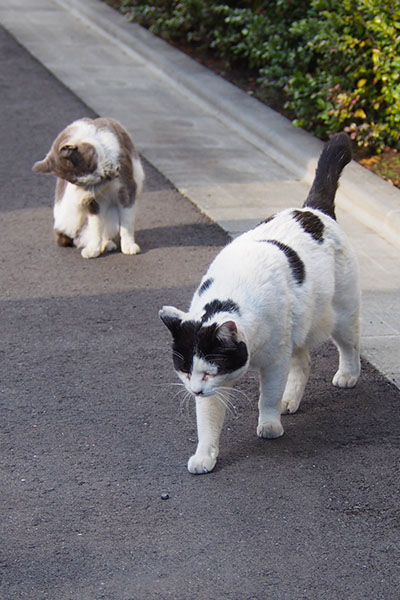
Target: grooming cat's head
206 356
76 157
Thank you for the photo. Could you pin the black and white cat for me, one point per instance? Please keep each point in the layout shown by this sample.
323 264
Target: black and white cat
267 298
100 176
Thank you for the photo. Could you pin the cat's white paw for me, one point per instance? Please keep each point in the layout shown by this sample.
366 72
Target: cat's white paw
129 247
289 405
345 380
109 246
200 464
270 429
91 251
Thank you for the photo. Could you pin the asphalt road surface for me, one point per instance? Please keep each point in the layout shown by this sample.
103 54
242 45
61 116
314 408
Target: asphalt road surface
96 502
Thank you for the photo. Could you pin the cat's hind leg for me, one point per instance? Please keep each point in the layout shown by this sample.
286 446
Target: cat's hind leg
346 336
273 379
111 229
210 414
297 380
127 231
346 328
349 361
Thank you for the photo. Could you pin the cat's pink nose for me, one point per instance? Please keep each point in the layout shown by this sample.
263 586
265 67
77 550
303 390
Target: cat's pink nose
197 392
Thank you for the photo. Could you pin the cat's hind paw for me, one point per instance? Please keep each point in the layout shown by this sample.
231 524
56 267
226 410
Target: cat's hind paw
345 380
201 464
270 429
109 246
289 405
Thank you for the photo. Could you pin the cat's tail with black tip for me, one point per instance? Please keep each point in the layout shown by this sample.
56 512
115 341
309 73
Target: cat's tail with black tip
334 157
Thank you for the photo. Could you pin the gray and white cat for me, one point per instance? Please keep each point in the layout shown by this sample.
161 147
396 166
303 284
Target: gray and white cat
100 176
268 297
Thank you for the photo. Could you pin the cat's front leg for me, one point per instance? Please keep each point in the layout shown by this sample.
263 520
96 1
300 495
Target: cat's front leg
272 384
94 229
210 414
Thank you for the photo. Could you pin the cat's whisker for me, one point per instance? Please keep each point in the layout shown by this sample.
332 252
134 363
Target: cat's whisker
181 391
187 396
185 406
166 383
236 392
224 400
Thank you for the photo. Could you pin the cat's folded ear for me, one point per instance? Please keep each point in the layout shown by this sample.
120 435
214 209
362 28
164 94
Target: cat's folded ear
73 153
171 317
227 332
67 151
42 166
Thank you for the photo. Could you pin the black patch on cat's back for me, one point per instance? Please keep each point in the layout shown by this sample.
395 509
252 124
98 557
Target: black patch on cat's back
216 306
296 264
311 224
267 220
205 285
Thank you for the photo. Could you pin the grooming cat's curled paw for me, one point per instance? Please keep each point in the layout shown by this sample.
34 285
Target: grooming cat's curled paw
200 464
345 380
270 429
129 247
91 251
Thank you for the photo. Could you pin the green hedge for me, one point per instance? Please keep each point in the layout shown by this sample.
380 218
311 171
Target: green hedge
336 62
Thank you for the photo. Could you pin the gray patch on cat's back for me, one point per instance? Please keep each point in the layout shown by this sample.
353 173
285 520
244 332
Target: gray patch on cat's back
127 194
311 224
128 191
296 264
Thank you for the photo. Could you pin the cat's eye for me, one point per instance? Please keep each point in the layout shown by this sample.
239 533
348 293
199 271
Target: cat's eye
207 376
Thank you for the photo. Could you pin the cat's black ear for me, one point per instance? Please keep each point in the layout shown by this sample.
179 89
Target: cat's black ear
227 332
171 317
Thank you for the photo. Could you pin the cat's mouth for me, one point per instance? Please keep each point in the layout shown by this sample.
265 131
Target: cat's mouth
202 393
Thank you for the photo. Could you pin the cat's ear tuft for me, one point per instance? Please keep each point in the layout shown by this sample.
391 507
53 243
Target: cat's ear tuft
227 332
42 166
171 317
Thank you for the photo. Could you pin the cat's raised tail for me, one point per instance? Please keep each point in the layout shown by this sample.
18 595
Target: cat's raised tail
334 157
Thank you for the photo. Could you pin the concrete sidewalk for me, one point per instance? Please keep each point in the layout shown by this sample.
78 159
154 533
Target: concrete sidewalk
237 160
